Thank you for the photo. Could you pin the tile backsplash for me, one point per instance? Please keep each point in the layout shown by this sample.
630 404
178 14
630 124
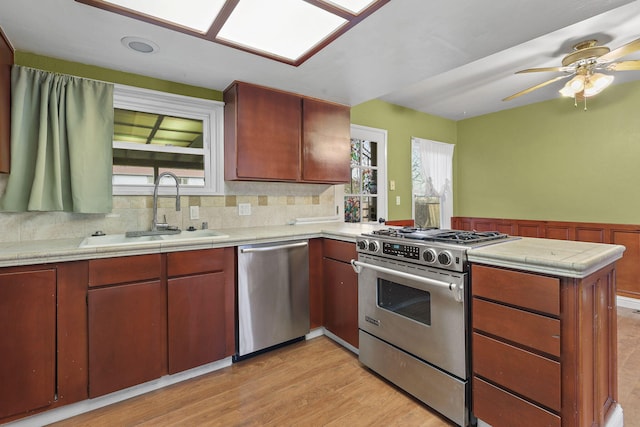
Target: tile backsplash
271 204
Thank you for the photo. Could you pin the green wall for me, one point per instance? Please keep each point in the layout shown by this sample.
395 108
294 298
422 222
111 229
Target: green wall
107 75
553 161
401 124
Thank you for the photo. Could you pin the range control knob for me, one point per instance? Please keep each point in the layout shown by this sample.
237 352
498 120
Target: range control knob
429 256
363 244
374 246
444 258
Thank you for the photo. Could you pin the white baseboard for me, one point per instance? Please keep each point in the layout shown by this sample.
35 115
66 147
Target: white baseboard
628 302
68 411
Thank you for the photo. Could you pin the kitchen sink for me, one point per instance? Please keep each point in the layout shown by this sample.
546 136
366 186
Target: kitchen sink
123 239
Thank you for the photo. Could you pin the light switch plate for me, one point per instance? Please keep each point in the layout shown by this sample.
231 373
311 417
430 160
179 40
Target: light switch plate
392 185
398 200
244 208
194 212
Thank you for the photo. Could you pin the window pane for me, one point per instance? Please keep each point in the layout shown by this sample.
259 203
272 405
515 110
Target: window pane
369 153
148 128
352 209
369 181
369 208
427 211
355 151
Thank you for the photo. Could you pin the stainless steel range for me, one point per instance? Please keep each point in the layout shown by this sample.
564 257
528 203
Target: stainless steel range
413 307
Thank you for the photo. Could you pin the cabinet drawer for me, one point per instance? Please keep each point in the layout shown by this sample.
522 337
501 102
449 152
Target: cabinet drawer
339 250
520 371
500 408
531 330
195 262
137 268
532 291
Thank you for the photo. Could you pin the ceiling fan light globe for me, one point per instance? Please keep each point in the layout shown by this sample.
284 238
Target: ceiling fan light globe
596 84
573 86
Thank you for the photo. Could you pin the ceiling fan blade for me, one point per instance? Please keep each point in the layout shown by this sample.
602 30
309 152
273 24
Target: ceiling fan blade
538 86
620 52
546 69
625 65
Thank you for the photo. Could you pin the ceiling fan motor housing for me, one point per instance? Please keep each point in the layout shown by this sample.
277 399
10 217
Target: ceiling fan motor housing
585 52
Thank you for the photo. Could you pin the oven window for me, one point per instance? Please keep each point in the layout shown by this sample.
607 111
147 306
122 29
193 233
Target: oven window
405 301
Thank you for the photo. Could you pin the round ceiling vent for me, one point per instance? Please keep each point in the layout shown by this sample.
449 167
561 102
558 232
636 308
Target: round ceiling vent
139 44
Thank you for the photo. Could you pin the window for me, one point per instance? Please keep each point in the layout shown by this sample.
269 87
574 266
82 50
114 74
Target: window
431 176
156 132
365 196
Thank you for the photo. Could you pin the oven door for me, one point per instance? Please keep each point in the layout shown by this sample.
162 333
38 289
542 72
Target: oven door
417 309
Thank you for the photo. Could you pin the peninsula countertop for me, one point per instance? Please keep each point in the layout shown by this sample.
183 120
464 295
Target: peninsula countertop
546 256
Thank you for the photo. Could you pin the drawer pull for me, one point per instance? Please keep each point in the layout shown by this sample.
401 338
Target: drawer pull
555 336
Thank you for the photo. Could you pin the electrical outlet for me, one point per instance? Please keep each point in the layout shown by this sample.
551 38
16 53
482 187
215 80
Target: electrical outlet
398 200
244 208
194 212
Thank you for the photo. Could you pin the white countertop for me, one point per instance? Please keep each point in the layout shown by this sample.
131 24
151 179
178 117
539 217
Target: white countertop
547 256
62 250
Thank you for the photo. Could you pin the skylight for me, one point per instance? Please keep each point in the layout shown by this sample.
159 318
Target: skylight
289 31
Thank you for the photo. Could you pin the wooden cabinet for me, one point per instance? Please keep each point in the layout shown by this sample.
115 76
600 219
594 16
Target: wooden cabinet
272 135
340 290
44 338
28 340
150 315
262 134
126 322
326 146
6 61
200 307
316 281
543 348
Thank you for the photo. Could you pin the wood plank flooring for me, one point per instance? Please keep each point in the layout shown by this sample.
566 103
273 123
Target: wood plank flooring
316 383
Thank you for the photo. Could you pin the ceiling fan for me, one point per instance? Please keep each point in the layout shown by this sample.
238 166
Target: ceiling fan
584 65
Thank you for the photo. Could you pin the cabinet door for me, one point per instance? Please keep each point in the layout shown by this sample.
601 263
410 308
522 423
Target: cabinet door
197 321
126 330
326 142
267 134
28 341
341 300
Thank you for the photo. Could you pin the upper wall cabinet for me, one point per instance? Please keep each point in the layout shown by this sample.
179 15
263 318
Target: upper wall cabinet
6 61
326 146
277 136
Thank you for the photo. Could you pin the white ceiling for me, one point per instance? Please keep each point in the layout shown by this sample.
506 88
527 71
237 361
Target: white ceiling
453 59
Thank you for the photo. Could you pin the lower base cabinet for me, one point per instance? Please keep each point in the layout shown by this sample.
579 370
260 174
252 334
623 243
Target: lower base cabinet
126 344
543 348
340 290
196 320
28 341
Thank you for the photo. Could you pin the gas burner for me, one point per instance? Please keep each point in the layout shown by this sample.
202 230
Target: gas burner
466 237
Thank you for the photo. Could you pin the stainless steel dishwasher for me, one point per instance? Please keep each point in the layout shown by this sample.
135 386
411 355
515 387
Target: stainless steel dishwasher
273 295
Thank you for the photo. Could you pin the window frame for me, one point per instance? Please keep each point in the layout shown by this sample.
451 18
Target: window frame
210 112
380 137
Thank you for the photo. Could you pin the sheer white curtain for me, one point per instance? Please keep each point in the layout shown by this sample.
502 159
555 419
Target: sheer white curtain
436 159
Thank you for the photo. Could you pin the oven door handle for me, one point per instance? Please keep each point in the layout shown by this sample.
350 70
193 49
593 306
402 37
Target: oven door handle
456 290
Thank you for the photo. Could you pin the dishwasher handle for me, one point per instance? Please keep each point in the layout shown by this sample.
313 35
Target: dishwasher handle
273 248
455 289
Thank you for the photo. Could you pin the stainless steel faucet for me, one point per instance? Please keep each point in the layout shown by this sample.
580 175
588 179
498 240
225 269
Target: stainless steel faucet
163 226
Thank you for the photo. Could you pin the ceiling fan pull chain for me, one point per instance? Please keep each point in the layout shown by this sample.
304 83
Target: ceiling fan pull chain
585 103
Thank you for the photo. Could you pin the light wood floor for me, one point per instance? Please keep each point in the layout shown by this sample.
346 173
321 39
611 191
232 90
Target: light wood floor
315 383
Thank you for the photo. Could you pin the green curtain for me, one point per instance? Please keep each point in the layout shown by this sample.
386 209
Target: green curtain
61 143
